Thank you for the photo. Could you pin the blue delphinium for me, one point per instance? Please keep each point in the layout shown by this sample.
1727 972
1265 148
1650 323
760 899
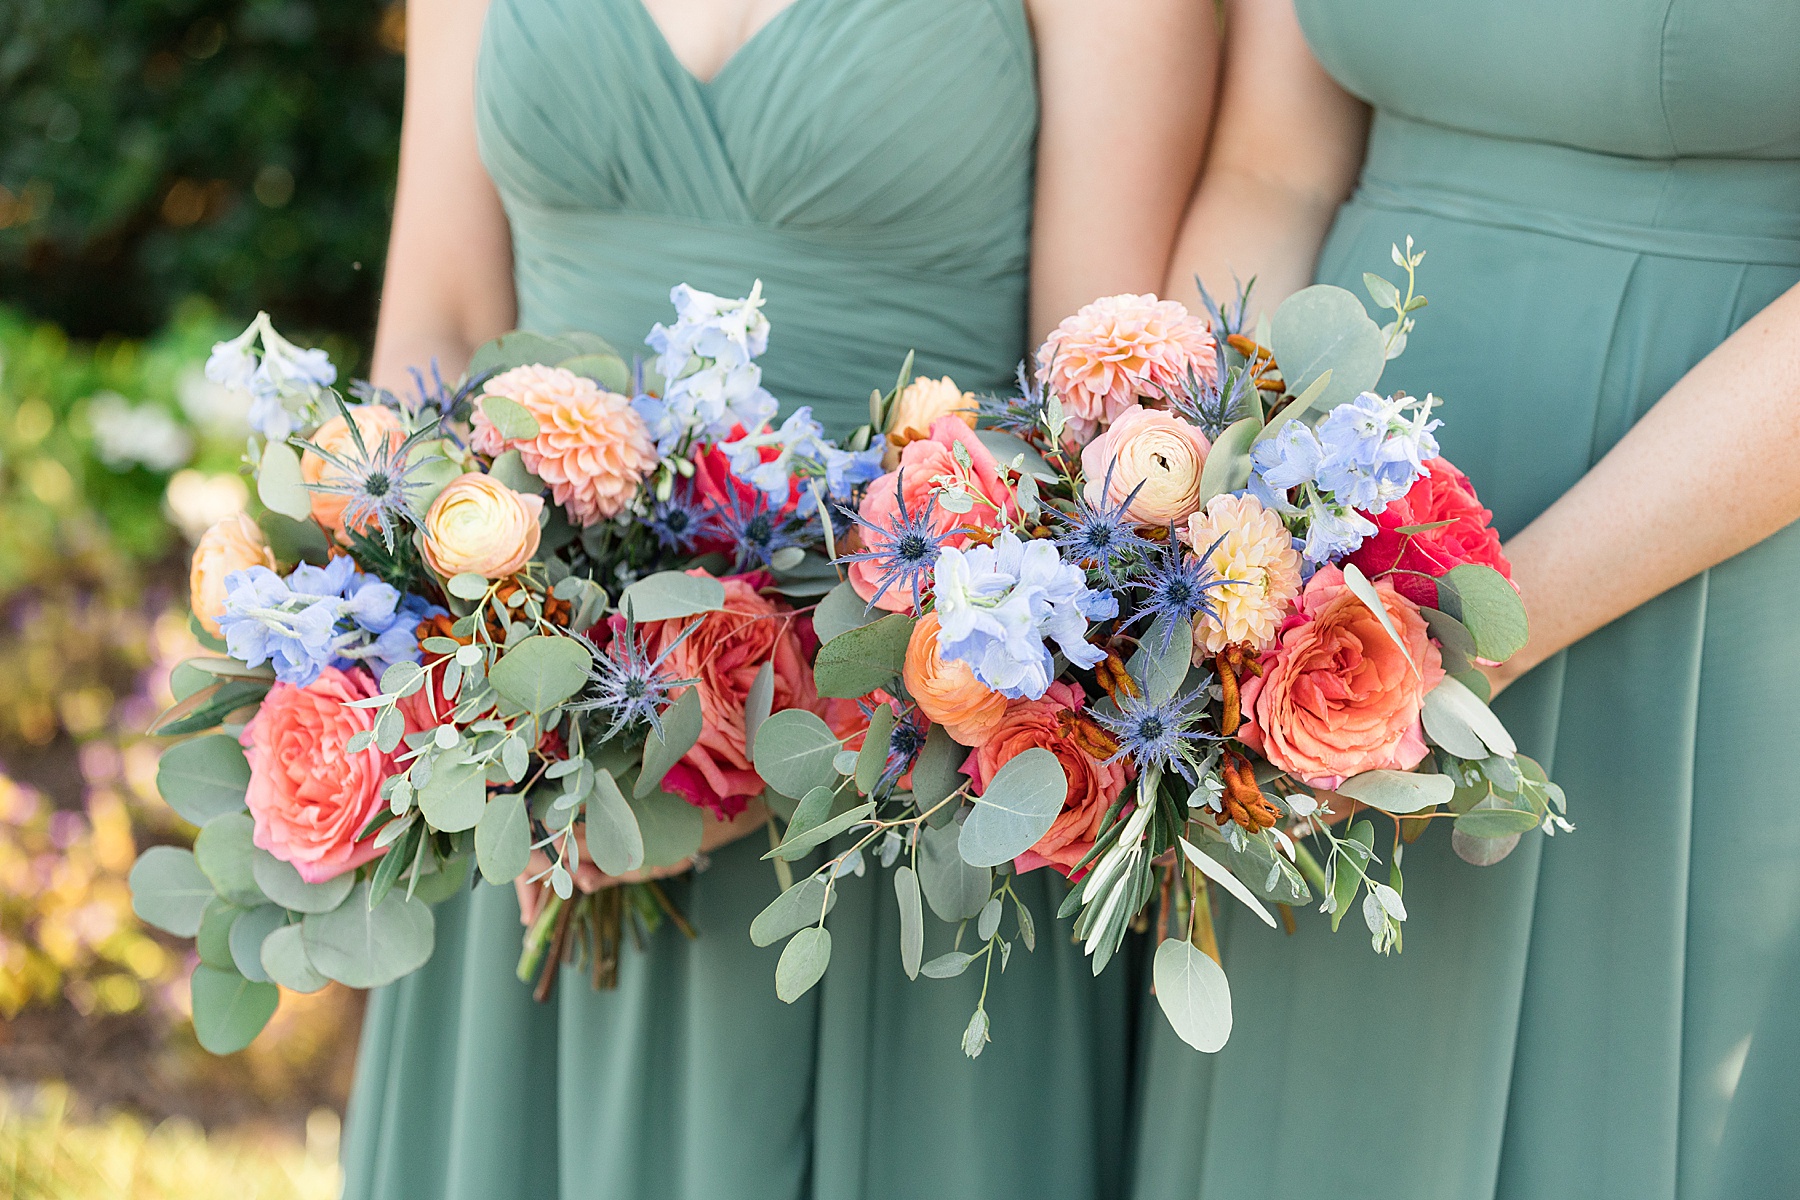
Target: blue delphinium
707 357
1102 533
997 604
1178 586
905 552
628 685
1374 451
284 381
317 617
1158 734
801 450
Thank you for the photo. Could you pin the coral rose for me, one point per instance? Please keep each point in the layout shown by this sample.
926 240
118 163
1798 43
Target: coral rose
1251 546
1337 697
919 405
1093 785
233 544
477 524
946 690
1443 493
376 422
1156 453
724 654
922 464
1100 361
308 796
591 447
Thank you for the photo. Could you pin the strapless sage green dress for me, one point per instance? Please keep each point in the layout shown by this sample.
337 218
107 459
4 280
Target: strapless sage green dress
871 162
1606 190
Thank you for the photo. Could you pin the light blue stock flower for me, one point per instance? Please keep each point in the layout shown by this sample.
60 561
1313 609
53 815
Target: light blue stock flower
997 604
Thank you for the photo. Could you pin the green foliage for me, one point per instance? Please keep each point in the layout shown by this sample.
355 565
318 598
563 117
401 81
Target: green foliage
794 751
858 661
1194 994
1017 807
238 149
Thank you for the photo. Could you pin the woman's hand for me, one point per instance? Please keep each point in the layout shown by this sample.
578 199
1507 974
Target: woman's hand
715 835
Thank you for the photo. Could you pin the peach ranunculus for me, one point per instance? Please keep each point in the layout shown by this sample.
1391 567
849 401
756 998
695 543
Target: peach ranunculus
591 447
1253 548
308 796
1337 697
1093 785
724 654
376 422
1155 449
477 524
946 690
920 404
1119 349
922 465
233 544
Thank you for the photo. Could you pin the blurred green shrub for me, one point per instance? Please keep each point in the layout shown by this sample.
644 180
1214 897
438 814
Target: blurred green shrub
242 150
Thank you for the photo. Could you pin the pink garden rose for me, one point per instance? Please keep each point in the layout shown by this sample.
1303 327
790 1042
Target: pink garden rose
1336 696
1120 349
1093 785
309 797
724 654
1154 453
922 463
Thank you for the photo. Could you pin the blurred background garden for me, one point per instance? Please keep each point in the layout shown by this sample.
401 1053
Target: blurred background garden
167 169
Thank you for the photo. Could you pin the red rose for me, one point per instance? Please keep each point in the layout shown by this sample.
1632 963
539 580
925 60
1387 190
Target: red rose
1443 493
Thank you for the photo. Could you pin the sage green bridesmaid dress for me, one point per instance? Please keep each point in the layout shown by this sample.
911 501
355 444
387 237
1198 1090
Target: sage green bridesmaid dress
871 162
1606 190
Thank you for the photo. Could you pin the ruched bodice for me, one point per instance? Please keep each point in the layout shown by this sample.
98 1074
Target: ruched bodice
869 160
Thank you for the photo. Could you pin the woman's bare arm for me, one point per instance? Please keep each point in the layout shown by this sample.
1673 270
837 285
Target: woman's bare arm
448 286
1285 154
1126 92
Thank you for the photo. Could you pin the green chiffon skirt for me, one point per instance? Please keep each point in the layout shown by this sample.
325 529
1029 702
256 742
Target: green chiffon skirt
1610 1014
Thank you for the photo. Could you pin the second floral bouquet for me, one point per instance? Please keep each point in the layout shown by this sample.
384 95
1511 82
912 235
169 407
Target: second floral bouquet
1155 623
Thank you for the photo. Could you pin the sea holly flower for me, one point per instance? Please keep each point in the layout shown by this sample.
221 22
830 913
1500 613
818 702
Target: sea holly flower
628 685
1178 586
375 478
678 522
904 553
997 604
1022 414
1102 532
1159 734
754 528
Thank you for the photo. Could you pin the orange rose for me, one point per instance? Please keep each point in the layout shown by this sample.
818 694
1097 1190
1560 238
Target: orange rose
1337 697
947 690
308 797
478 524
724 654
377 422
233 544
1093 785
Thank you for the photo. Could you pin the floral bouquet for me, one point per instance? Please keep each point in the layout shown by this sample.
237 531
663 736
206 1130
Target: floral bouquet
522 627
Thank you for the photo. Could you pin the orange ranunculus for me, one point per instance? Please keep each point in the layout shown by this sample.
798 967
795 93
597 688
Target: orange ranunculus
377 423
233 544
308 797
946 690
1093 785
724 654
1336 696
477 524
1153 453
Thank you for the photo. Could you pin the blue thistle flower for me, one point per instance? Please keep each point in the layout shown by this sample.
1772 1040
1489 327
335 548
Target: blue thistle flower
433 394
904 744
377 479
1178 587
1158 734
678 522
628 685
754 527
1102 533
1022 413
906 552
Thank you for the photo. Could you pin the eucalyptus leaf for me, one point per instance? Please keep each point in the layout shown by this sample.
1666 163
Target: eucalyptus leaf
503 839
795 845
806 903
1482 599
1218 873
204 777
948 965
1455 643
1017 808
1482 851
247 934
1325 328
519 349
954 889
443 883
280 485
1194 994
281 882
366 947
1398 792
229 1010
225 851
454 797
938 772
794 752
1493 823
912 920
681 725
803 963
671 828
841 611
1227 466
213 942
813 810
872 759
1005 448
510 470
669 595
169 891
1299 408
759 702
1456 719
1162 670
467 585
614 841
284 961
540 672
1365 591
608 370
857 662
